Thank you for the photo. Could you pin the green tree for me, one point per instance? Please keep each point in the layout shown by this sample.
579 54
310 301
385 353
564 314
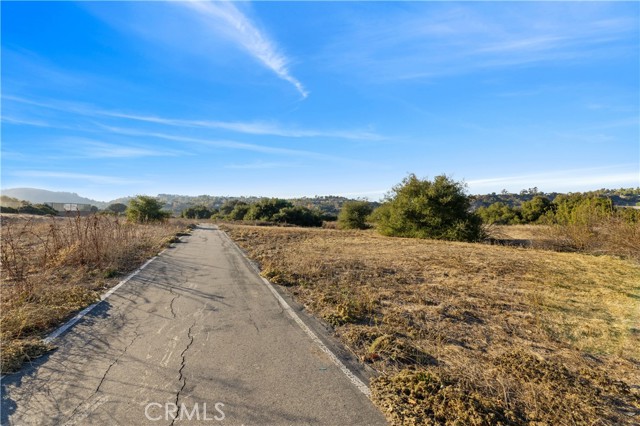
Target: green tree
197 212
438 209
239 212
143 209
579 209
228 206
266 209
532 210
354 214
298 215
499 213
117 208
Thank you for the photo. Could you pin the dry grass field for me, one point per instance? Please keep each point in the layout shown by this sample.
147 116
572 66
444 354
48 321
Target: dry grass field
470 334
53 267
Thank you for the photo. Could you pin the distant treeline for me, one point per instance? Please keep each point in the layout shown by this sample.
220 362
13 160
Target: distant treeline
562 209
619 197
177 204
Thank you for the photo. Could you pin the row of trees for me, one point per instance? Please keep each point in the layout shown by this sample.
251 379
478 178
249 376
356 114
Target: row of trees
563 210
266 210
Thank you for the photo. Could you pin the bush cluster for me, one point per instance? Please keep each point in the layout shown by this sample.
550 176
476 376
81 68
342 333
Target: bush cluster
438 209
274 210
26 208
571 209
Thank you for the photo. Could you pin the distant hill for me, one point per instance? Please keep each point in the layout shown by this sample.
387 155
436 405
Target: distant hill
39 196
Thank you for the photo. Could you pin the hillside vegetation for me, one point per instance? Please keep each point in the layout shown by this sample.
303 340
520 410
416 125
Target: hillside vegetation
470 334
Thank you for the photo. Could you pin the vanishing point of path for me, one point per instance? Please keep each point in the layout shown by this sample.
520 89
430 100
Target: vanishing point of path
197 327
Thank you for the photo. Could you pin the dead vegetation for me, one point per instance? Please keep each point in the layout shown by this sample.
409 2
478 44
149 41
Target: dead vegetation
470 334
53 267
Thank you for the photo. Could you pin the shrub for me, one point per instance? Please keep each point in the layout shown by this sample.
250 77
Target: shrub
228 206
301 216
353 215
117 208
38 209
499 214
197 212
533 209
144 209
438 209
266 209
239 211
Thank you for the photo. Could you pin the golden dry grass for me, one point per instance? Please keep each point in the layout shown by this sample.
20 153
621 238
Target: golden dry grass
470 333
53 267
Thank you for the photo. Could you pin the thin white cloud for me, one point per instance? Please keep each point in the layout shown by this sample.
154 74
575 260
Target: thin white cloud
428 40
219 143
245 33
252 128
94 149
258 165
559 180
99 179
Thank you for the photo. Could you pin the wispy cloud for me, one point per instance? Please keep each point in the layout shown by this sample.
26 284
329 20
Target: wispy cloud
241 30
229 144
99 179
96 150
558 180
428 40
246 127
258 165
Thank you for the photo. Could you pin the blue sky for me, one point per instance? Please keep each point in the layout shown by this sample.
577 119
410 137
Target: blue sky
286 99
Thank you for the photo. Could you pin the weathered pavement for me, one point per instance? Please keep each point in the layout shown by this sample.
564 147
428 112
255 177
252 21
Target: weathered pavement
197 326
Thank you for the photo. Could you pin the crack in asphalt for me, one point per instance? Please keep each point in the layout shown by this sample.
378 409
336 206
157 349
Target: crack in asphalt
181 378
254 323
104 376
172 301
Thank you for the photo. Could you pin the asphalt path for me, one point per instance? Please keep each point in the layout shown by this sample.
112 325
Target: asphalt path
196 337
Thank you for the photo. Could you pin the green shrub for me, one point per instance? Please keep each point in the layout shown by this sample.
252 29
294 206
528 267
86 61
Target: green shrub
535 208
197 212
239 212
300 216
499 214
38 209
438 209
578 209
266 209
143 209
354 214
228 206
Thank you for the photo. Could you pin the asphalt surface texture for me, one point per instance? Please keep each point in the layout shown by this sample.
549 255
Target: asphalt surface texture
195 338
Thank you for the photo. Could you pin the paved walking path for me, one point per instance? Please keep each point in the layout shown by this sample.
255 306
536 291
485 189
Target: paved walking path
196 327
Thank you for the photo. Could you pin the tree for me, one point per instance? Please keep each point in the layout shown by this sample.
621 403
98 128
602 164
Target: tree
438 209
197 212
117 208
143 209
228 206
532 210
353 215
266 209
499 214
239 212
298 215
